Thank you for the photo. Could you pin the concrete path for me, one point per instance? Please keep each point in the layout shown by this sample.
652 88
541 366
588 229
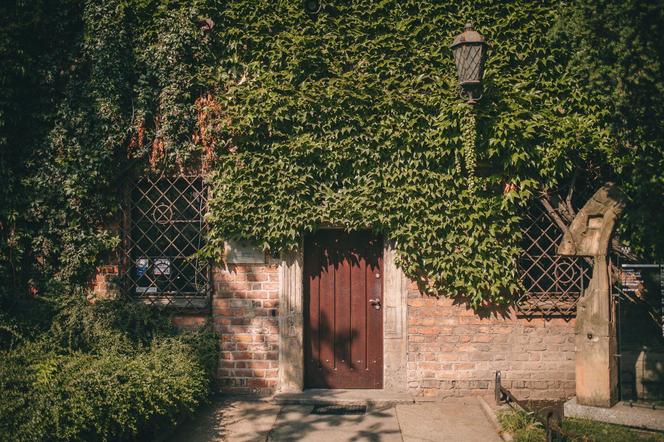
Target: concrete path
458 419
229 420
453 420
296 423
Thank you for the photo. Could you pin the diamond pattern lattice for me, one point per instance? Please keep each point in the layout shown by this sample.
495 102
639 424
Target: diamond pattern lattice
553 283
468 59
164 228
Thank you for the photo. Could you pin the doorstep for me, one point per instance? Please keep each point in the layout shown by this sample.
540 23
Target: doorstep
367 397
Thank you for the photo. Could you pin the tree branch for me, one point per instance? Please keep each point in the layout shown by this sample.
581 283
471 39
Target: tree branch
544 199
570 192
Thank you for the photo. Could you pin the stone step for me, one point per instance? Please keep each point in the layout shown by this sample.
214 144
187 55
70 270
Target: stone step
370 398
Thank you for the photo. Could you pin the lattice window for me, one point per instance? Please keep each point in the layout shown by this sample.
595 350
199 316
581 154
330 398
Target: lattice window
164 228
553 283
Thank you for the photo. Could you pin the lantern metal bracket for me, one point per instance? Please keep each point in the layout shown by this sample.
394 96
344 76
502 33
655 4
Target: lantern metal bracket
471 94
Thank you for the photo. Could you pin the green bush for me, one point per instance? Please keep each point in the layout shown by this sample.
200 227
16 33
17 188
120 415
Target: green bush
112 371
120 323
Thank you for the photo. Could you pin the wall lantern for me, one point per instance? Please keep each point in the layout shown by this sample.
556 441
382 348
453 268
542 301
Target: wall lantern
469 49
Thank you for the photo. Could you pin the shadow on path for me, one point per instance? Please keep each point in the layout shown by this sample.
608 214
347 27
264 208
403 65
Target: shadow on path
241 419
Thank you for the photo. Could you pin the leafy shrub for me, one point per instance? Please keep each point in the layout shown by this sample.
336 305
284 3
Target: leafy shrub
111 371
116 323
47 396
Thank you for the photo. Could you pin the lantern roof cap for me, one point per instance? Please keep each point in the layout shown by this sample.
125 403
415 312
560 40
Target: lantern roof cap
469 35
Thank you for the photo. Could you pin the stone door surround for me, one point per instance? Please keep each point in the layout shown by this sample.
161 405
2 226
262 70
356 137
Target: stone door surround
291 323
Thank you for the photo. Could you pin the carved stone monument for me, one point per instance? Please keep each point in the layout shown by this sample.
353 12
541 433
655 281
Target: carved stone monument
596 342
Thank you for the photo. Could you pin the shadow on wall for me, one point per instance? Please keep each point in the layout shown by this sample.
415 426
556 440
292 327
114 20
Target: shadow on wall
485 311
642 342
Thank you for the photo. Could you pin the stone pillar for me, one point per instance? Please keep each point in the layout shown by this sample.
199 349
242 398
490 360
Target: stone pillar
395 305
291 333
596 342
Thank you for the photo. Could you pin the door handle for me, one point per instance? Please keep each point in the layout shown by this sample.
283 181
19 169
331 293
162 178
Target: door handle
375 302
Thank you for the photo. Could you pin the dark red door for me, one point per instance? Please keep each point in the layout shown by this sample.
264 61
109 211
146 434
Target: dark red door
343 283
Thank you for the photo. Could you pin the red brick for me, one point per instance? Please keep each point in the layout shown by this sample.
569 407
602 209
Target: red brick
469 353
452 350
239 355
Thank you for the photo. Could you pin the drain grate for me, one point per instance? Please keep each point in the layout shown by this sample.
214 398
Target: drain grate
339 409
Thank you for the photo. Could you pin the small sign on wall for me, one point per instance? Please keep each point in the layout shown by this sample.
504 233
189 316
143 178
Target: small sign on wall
242 252
142 265
162 267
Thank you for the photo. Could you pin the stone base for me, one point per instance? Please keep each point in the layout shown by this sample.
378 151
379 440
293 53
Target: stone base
619 414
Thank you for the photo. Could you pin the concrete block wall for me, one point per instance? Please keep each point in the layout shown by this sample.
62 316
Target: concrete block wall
245 314
452 351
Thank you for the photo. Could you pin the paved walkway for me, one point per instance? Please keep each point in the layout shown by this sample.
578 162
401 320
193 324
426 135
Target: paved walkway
453 420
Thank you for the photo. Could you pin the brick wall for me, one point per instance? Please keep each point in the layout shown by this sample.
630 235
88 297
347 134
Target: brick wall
452 351
104 284
245 314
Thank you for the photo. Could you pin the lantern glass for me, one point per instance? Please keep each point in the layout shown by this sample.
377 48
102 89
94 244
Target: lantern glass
469 49
469 59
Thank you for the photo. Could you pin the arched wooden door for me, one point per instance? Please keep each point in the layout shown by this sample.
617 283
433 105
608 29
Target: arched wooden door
343 285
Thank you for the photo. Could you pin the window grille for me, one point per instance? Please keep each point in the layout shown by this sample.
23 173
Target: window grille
164 228
553 283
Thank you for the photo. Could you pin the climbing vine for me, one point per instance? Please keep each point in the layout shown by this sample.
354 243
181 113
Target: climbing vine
469 132
353 119
350 118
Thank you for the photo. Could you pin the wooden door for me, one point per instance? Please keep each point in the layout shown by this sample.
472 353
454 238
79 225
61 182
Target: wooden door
343 284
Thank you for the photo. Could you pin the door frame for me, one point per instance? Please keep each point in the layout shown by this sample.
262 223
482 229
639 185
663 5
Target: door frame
291 321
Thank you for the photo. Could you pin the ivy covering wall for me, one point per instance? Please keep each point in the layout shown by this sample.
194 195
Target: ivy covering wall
352 118
349 118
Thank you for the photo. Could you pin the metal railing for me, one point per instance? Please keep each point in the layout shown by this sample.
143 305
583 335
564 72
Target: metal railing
550 417
164 228
553 283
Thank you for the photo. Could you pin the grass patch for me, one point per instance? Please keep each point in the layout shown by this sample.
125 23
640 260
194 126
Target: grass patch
523 426
526 428
602 432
